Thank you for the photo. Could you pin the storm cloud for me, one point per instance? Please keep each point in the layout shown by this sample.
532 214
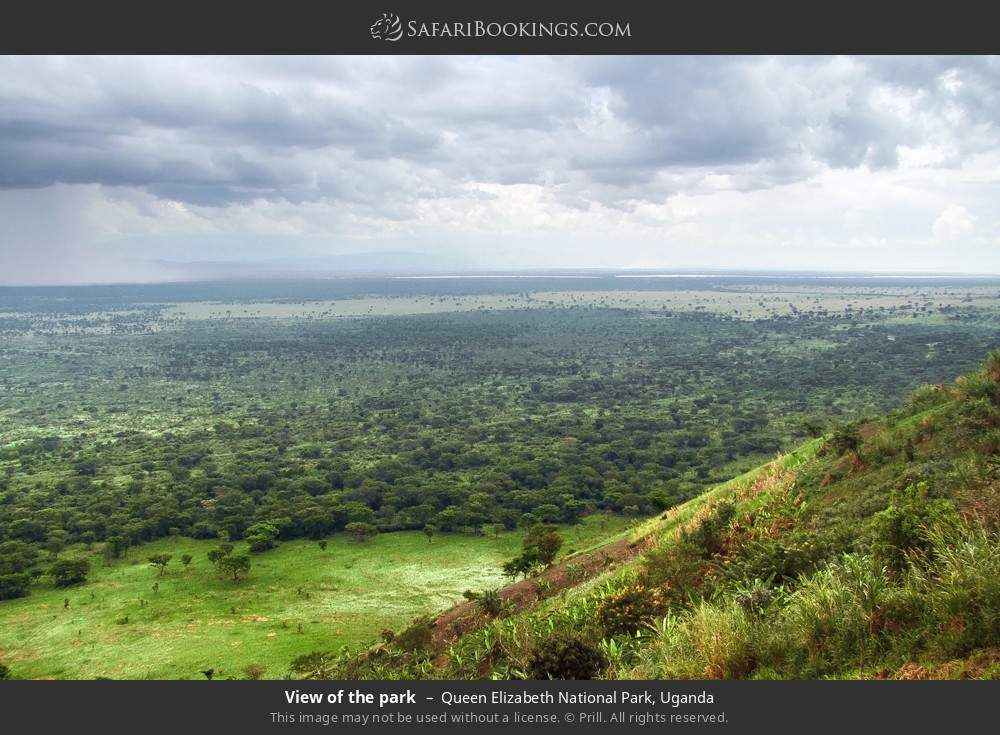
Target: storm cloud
511 161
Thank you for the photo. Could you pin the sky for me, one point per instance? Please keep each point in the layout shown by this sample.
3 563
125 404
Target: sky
113 169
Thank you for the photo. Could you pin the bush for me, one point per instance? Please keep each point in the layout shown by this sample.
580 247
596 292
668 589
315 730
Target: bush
629 609
417 637
797 552
361 531
489 601
709 535
676 566
254 672
4 672
924 397
314 665
756 597
845 439
885 446
977 386
991 365
562 656
903 527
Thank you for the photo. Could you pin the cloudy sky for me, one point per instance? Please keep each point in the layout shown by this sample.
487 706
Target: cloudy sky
110 167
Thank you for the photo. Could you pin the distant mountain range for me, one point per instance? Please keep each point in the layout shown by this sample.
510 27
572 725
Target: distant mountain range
401 263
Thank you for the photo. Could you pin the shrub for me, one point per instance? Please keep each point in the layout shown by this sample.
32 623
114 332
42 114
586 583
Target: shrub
709 534
417 637
234 565
991 365
520 565
219 553
562 656
978 386
490 602
903 526
845 439
782 560
677 566
4 672
254 671
885 446
924 397
629 609
756 596
314 665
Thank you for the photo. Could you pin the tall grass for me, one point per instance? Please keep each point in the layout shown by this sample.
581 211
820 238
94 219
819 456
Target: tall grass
850 617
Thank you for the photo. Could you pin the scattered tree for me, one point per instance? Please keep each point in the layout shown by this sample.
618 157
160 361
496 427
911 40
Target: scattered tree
160 561
361 531
235 565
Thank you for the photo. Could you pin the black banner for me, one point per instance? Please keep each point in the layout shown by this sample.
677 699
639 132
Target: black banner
515 26
285 706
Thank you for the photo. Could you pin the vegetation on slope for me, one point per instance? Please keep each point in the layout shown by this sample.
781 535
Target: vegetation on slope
874 552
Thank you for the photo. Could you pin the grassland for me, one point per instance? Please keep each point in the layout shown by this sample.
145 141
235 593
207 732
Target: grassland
738 302
297 599
154 416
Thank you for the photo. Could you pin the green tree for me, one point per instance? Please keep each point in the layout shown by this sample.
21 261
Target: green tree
235 565
219 553
542 543
261 536
116 546
14 585
360 530
522 565
67 572
160 561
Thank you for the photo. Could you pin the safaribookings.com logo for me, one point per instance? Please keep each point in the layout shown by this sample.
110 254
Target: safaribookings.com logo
387 28
390 28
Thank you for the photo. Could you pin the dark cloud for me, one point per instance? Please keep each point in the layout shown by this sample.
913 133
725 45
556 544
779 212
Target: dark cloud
213 131
370 146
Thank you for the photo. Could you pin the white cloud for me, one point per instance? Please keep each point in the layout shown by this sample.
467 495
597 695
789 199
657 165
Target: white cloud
953 222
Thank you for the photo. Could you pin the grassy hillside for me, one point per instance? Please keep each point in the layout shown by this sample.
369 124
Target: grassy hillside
871 553
296 598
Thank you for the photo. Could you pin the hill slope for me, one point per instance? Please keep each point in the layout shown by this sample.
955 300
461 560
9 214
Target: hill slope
873 552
